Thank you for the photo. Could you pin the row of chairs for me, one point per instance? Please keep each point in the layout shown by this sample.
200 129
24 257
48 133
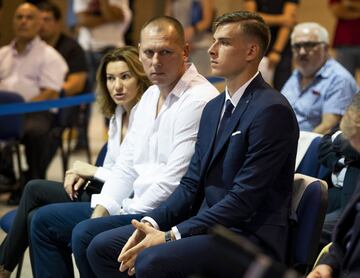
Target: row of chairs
309 207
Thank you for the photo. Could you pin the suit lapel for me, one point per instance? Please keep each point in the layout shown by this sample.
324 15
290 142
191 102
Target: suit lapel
235 118
213 122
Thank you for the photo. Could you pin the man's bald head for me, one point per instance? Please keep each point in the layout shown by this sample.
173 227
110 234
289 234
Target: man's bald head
26 22
165 24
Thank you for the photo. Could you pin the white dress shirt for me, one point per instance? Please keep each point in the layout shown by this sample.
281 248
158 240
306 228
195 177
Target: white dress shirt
113 143
157 150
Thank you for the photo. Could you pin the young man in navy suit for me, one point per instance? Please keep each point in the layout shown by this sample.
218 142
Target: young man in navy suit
240 175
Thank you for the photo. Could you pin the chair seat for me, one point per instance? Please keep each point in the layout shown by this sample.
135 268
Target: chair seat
7 220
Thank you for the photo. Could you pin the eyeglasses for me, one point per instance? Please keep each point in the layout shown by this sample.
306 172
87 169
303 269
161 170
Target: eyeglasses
308 46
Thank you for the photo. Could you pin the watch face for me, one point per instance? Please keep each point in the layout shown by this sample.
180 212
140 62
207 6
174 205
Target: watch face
167 236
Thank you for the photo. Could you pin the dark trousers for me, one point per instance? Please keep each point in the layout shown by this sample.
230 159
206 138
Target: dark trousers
51 233
37 193
197 255
37 142
86 230
50 237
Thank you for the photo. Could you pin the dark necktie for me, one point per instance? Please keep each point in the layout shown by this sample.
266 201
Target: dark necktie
224 120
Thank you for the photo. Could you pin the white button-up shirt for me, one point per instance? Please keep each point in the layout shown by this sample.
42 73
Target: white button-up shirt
157 149
113 143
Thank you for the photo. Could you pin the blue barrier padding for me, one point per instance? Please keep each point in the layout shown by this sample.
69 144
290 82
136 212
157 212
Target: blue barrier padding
28 107
214 79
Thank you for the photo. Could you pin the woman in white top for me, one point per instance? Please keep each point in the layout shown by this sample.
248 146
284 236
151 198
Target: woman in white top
120 83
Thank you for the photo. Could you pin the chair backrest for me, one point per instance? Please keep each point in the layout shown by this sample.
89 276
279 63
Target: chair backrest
310 164
310 204
101 155
11 126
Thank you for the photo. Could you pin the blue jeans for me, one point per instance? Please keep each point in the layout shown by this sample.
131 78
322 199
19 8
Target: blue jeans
85 231
50 237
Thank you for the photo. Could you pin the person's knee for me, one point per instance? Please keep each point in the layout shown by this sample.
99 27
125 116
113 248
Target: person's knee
149 262
37 225
95 250
31 188
80 237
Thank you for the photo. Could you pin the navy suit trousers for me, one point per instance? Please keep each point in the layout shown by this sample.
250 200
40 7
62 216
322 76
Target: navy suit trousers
200 255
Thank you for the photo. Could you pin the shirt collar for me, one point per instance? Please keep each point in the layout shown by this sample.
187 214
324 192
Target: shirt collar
29 46
324 72
239 92
185 79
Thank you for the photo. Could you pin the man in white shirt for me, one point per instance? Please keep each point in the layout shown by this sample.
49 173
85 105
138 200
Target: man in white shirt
240 176
36 71
154 156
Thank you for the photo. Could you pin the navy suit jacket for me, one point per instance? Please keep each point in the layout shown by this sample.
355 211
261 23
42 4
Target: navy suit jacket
246 179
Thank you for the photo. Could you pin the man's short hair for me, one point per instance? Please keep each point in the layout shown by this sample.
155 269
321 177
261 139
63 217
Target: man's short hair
320 31
166 21
45 6
252 24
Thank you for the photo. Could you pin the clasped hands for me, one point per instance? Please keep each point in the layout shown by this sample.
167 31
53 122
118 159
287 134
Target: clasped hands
143 237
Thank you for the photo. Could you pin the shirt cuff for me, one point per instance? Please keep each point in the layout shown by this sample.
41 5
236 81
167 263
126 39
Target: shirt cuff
176 233
101 174
151 221
112 207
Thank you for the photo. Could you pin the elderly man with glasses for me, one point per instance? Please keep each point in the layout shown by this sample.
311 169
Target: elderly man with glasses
320 89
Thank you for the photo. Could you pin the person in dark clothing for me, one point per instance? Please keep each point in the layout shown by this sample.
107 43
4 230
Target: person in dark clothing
343 161
343 257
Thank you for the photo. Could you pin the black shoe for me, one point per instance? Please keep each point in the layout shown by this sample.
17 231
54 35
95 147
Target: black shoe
14 198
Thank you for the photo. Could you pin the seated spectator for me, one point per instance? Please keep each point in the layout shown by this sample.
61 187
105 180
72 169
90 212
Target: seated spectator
240 176
344 254
36 71
121 82
336 153
320 89
154 156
